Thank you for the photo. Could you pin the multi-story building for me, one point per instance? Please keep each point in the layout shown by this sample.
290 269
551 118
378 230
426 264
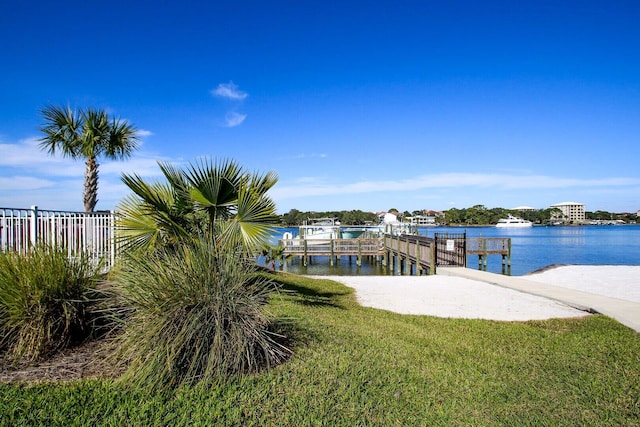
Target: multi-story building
571 211
524 209
423 220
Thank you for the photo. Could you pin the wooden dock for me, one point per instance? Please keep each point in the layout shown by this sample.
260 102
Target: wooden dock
406 254
485 246
333 248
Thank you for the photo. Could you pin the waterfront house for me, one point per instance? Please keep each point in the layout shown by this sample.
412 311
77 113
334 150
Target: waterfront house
422 220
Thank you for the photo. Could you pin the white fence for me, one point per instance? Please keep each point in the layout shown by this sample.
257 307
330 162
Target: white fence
92 233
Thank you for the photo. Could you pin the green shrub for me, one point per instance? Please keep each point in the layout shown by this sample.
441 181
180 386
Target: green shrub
46 301
196 316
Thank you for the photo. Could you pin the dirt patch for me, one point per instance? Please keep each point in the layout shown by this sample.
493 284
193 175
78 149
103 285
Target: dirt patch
80 362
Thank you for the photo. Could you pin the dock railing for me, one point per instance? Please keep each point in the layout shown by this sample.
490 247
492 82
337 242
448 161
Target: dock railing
332 248
406 253
92 233
409 252
485 246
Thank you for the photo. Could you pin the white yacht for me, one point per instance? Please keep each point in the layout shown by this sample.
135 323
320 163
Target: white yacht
320 228
513 222
313 231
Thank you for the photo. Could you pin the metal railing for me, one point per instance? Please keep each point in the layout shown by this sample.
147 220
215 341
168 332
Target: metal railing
92 233
429 253
451 249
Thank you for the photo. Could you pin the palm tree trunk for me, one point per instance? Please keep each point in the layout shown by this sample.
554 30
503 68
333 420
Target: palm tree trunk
90 184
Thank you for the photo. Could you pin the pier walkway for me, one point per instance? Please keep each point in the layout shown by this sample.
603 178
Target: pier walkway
625 312
406 253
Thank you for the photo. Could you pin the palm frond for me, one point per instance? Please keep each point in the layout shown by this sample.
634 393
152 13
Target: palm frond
122 140
179 185
95 131
151 219
156 195
214 186
135 227
61 128
263 183
253 222
218 200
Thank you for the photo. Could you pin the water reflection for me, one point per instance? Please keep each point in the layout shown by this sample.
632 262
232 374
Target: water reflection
346 266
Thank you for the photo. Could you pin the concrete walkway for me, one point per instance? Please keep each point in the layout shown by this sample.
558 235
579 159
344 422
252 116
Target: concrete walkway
625 312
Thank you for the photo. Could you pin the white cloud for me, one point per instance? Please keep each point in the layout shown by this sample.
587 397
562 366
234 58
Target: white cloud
142 133
29 175
57 195
143 166
464 181
26 151
229 91
233 119
27 155
21 183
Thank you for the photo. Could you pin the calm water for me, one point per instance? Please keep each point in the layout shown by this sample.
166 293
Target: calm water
531 249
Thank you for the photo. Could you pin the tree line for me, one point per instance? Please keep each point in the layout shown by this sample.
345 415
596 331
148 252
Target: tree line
610 216
353 217
475 215
481 215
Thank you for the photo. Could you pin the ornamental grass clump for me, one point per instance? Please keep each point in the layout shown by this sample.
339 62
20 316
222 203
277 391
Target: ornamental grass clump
197 315
47 301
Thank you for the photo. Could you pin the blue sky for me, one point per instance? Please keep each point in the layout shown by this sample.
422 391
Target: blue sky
356 105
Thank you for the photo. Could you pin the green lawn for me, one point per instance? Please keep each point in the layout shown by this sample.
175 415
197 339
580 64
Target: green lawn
360 366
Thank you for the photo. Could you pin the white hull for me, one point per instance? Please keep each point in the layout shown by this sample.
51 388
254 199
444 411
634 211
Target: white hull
323 235
513 222
514 225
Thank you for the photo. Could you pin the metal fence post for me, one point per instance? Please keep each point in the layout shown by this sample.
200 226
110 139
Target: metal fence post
464 251
112 239
33 226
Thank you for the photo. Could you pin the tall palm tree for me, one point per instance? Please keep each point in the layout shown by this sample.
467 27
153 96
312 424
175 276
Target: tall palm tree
87 134
219 200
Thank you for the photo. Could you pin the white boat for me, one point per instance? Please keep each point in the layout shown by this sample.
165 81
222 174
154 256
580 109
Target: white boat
314 229
389 224
352 232
320 229
513 222
398 228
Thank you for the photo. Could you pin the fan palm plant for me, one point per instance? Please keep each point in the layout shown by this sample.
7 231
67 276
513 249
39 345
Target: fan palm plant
217 199
187 277
195 316
87 134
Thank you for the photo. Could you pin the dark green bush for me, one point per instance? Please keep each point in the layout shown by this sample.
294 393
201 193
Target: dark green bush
46 301
197 315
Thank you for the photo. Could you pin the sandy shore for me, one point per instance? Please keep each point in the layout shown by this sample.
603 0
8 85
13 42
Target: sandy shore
616 281
446 296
